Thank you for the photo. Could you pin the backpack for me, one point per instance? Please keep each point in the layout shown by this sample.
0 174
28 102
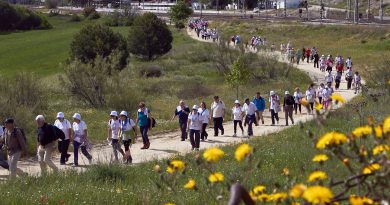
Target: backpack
21 131
59 133
290 100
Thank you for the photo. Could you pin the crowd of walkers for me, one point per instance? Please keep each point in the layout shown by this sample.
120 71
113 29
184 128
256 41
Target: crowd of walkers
200 26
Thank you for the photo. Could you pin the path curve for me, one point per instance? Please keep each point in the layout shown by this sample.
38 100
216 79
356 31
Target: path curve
167 145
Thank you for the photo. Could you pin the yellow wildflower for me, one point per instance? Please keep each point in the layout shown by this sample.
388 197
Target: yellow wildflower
317 176
253 196
378 131
371 168
320 158
169 204
330 139
338 97
386 125
380 148
258 189
346 161
170 170
362 131
297 190
213 154
216 177
277 197
318 195
175 165
264 197
304 102
319 106
242 151
286 171
191 184
360 200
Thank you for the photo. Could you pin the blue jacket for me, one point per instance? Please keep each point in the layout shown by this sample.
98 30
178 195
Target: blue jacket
260 103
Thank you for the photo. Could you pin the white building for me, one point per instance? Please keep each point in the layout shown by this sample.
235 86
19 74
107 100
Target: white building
291 4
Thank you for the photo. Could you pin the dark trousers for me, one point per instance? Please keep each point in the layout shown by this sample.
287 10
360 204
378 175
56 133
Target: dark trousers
63 147
3 162
144 134
349 83
250 119
183 129
126 144
316 65
195 138
337 84
296 106
76 146
204 134
218 125
320 100
288 111
274 115
311 107
239 122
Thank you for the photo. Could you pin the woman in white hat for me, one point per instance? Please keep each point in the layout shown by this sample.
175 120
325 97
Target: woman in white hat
195 121
237 116
127 125
80 139
274 107
322 63
63 145
206 117
114 128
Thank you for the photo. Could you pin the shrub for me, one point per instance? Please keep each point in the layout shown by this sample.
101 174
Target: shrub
150 71
98 40
93 16
88 11
75 18
179 25
8 15
51 4
31 20
149 37
179 13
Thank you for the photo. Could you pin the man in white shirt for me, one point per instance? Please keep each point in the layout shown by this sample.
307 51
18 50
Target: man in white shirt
218 110
63 145
250 113
274 107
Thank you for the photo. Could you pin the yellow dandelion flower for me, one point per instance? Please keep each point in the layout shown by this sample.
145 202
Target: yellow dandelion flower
330 139
258 189
360 200
175 165
338 97
362 131
277 197
297 190
371 168
286 171
304 102
318 195
170 170
191 184
378 131
319 106
386 125
264 197
380 149
243 151
253 196
213 154
317 176
216 177
320 158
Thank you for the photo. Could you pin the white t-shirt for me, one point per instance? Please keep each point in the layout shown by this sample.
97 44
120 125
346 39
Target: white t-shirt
126 127
297 96
218 109
319 91
329 78
250 109
274 102
79 130
196 121
349 63
205 114
310 95
115 128
64 126
237 113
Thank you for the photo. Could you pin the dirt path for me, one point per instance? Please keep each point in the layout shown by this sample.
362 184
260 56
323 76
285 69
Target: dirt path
167 145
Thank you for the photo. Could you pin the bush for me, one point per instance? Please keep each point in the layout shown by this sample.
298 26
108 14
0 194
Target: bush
150 71
9 16
98 40
179 25
51 4
88 11
31 20
149 37
93 16
75 18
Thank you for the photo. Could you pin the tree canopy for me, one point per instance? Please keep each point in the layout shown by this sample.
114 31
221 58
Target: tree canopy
180 12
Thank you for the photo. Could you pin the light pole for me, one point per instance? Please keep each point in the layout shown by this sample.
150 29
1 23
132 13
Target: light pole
356 16
285 8
381 10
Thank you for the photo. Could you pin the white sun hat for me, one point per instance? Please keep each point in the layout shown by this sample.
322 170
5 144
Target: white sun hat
272 92
237 102
195 107
286 92
114 113
60 115
124 113
77 116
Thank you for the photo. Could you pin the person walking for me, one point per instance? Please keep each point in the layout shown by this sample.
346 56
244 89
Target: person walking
143 116
63 145
329 63
46 144
320 93
182 111
274 107
316 60
114 127
15 143
310 96
357 82
349 77
126 126
308 50
260 105
348 63
338 80
297 100
250 115
329 77
195 121
326 93
80 139
298 55
303 53
288 103
218 110
204 112
237 116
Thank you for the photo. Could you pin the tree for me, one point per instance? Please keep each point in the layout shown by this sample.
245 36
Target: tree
239 74
149 37
98 40
180 13
9 18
